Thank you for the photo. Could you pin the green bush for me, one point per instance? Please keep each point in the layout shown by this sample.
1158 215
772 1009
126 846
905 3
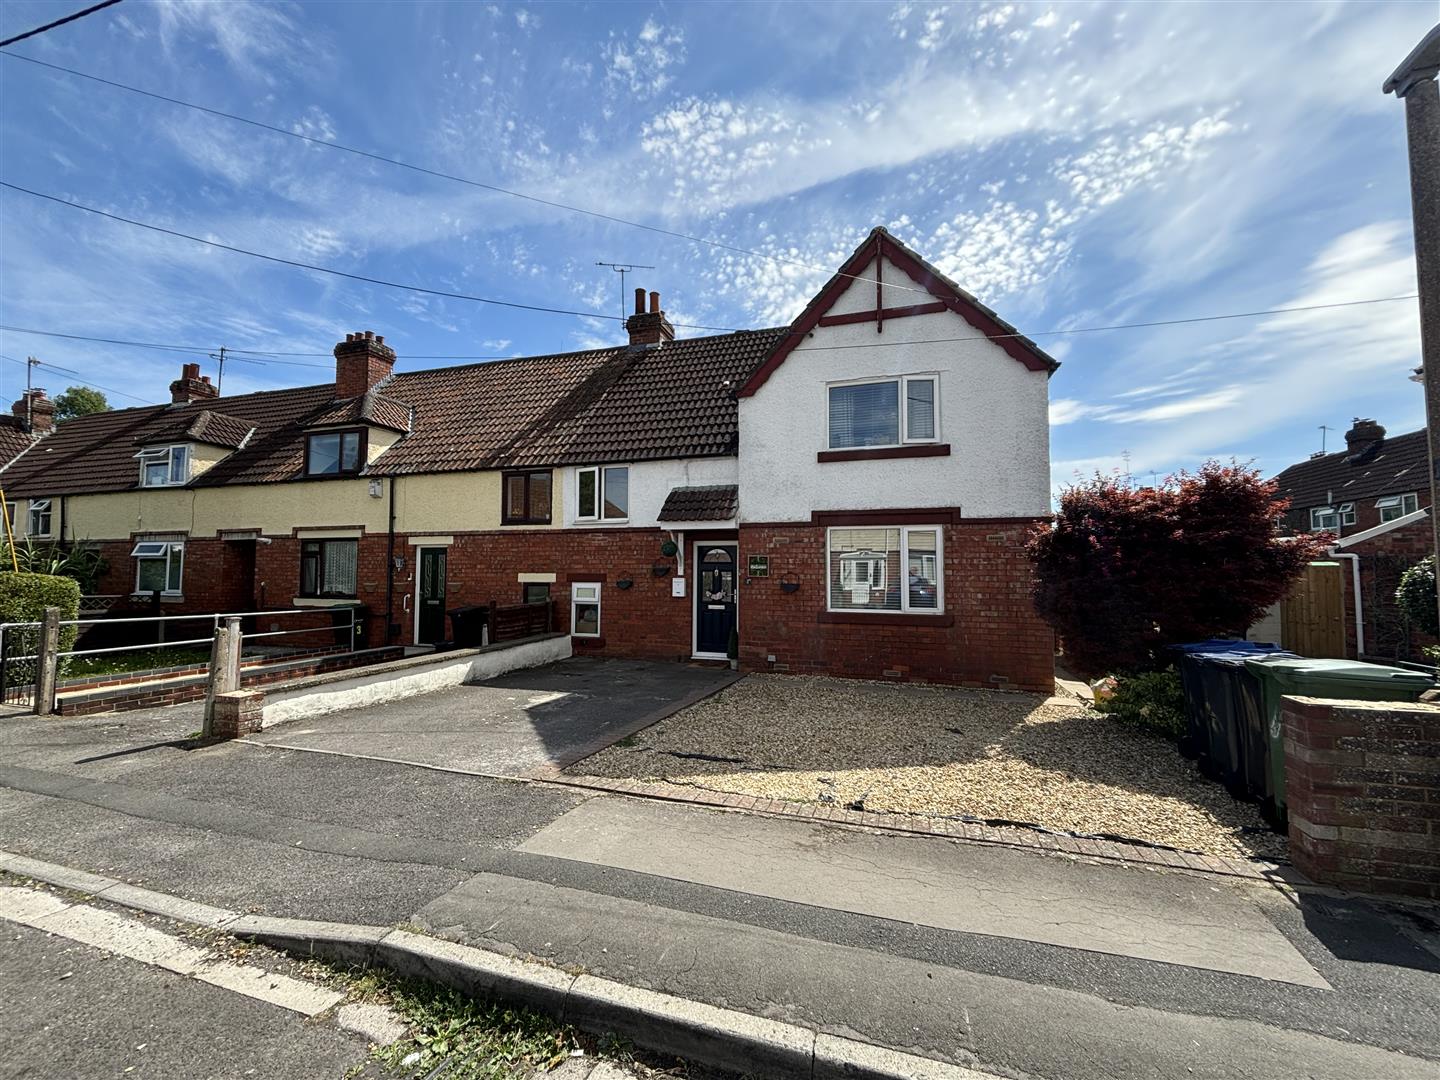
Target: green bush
1151 700
24 598
79 561
1416 596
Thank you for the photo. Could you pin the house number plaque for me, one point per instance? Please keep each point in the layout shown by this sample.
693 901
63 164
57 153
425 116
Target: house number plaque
758 566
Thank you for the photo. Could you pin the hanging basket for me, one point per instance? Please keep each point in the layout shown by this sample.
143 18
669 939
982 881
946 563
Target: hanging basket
788 586
624 583
660 569
669 549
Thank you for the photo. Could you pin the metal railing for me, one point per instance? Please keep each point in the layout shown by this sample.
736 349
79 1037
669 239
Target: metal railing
22 655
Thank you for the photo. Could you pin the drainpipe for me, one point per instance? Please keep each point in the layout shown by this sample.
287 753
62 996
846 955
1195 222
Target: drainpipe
390 566
1355 590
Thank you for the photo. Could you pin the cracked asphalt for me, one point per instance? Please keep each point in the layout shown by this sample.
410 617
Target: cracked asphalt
309 835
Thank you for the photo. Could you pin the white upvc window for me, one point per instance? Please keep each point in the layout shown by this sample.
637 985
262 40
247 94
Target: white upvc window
1397 506
880 413
602 493
40 519
159 567
896 568
1329 518
164 466
585 609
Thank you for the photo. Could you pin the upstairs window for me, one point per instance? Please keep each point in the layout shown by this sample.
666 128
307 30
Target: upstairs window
159 567
39 520
335 453
327 569
883 412
1329 518
526 498
164 466
1397 506
602 493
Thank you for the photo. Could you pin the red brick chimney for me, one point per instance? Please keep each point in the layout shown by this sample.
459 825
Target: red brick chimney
649 327
35 411
192 386
361 362
1365 434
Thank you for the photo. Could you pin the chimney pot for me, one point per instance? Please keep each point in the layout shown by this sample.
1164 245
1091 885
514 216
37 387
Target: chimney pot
191 386
654 303
639 301
362 361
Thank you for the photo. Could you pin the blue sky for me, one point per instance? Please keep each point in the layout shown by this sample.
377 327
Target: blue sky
1073 165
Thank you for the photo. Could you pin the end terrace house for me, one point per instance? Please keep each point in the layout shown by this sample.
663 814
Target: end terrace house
849 494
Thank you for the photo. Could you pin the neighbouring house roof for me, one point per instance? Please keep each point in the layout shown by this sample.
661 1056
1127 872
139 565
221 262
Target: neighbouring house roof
616 404
374 409
712 502
946 294
1394 466
14 441
206 426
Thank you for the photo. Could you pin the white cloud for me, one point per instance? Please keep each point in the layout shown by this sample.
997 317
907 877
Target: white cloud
1066 411
644 66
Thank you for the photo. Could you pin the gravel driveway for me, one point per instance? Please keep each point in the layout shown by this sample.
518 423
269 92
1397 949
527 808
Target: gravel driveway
941 751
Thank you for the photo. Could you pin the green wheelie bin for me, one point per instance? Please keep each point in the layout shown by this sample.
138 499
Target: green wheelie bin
1351 680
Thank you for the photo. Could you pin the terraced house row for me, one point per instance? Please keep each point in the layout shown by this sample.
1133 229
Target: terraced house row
849 494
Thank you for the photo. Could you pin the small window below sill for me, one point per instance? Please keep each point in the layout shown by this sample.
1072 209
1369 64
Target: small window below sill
883 452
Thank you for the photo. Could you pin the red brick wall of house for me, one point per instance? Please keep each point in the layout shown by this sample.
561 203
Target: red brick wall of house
995 637
1362 784
992 635
1366 515
1388 636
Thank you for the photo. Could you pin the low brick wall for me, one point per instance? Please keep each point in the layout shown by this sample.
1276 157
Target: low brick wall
192 687
1362 783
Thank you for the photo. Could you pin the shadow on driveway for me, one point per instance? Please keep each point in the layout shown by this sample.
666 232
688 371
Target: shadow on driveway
526 723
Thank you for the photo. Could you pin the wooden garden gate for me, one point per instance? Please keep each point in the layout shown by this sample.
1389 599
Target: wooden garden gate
1312 617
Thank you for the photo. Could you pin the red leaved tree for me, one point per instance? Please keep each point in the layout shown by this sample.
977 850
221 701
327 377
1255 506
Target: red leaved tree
1123 572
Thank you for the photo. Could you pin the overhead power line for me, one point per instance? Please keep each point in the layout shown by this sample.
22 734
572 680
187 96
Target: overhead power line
331 270
57 22
79 379
470 182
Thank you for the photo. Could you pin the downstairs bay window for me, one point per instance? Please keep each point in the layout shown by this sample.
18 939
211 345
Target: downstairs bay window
886 569
328 569
159 567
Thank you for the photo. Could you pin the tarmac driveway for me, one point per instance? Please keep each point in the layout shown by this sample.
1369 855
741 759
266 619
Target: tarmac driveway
527 723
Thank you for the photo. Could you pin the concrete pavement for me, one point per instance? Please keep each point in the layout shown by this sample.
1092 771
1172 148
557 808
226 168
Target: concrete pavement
315 836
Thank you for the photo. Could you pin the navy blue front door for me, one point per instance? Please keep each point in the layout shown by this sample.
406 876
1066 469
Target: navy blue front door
715 581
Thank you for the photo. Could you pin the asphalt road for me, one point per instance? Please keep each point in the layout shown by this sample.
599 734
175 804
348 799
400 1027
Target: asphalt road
309 835
72 1011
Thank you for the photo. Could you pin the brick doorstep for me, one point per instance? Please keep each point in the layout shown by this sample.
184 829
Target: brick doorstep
947 828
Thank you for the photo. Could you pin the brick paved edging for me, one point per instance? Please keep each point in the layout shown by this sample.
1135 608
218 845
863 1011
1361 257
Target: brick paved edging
1109 850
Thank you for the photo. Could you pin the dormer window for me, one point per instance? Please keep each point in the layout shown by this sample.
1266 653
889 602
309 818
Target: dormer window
883 412
334 453
164 466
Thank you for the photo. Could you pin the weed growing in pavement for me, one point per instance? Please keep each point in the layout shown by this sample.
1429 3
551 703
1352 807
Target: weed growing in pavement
475 1039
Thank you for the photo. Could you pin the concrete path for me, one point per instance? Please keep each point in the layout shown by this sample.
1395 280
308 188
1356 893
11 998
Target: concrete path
1172 918
257 828
519 724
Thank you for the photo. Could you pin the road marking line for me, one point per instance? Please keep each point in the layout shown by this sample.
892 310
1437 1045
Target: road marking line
132 939
301 997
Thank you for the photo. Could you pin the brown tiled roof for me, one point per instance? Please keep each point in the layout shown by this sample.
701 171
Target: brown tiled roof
205 426
97 453
617 404
14 441
713 502
603 405
373 408
1395 467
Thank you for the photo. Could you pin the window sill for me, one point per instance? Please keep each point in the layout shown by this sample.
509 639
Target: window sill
323 601
887 618
883 452
505 524
165 597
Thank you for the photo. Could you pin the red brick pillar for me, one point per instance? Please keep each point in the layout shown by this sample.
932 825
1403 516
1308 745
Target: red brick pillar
1362 784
